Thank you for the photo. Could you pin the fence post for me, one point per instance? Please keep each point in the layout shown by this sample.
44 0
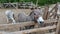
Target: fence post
17 5
45 15
58 28
55 13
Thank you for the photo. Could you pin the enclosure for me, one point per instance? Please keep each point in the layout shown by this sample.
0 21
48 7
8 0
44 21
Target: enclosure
51 16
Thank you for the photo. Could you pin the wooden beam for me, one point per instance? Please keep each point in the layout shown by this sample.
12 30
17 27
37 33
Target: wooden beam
40 29
43 29
16 27
58 28
55 13
52 9
45 15
51 21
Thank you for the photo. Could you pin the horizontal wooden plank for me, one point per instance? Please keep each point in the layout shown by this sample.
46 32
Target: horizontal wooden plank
16 27
39 29
31 30
51 21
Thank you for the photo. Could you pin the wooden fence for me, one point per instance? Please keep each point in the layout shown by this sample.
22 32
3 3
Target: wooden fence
51 13
17 5
54 24
43 29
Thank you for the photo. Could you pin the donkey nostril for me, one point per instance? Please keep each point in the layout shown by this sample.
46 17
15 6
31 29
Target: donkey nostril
41 22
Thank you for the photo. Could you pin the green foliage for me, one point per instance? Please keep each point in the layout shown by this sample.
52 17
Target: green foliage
40 2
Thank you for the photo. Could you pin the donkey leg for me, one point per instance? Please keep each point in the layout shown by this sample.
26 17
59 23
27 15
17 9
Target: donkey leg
13 21
7 19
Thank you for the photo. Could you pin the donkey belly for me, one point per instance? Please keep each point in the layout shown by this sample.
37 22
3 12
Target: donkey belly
21 18
28 18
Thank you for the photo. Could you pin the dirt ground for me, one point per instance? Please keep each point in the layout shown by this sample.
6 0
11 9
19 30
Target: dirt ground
3 19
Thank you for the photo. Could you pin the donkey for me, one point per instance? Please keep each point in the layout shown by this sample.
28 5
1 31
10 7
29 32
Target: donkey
10 16
33 16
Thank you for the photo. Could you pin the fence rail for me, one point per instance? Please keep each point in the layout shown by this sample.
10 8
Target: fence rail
17 5
17 26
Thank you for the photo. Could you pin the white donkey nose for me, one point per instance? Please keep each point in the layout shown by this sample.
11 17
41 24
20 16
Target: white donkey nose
40 20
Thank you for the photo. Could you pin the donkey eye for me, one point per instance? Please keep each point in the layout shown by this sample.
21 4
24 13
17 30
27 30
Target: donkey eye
34 14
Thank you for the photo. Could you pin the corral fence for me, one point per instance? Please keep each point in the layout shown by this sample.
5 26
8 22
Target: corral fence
41 30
